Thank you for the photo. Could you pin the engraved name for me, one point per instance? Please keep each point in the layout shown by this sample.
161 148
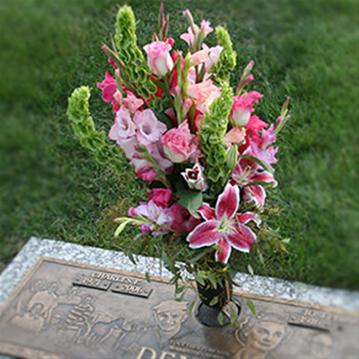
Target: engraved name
114 282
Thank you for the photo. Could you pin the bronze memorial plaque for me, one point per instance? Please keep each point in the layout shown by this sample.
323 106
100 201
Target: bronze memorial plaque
66 310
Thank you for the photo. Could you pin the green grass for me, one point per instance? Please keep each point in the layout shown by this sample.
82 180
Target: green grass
51 187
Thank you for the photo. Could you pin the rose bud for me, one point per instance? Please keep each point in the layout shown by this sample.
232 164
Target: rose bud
159 58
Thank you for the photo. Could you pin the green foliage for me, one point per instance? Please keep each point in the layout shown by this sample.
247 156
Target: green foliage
135 71
212 134
228 58
188 198
84 129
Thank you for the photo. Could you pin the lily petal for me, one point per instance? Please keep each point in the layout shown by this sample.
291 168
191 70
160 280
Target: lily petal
255 194
247 217
206 211
205 234
242 239
265 177
228 202
224 253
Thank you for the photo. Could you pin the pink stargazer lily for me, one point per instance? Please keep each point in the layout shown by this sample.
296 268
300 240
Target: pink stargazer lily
224 226
250 177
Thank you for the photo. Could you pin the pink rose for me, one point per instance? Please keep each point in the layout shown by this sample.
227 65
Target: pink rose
159 58
243 107
179 144
108 87
149 129
160 196
123 126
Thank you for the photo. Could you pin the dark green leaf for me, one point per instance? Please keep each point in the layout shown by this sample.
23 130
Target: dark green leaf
190 199
214 301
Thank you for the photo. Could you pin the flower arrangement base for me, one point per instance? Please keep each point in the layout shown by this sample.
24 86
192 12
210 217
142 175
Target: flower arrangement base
208 316
211 311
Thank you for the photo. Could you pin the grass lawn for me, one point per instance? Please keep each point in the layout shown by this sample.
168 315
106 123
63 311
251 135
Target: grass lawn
51 187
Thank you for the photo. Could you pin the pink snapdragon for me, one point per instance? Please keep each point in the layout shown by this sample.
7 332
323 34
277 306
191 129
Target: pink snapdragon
223 226
242 108
254 126
194 31
149 129
262 147
159 218
159 58
213 55
108 87
208 55
143 169
131 102
179 144
156 151
123 127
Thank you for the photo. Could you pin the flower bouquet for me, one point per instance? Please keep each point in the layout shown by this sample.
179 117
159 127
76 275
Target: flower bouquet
197 143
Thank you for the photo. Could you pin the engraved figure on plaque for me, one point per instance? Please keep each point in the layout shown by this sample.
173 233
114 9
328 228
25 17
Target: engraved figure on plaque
320 345
80 317
167 320
32 320
47 296
261 336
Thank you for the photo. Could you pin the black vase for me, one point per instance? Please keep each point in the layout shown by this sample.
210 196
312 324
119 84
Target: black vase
207 312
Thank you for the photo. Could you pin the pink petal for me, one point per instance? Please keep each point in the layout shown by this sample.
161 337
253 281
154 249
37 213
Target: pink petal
265 177
205 234
206 212
242 239
247 217
255 194
224 253
228 202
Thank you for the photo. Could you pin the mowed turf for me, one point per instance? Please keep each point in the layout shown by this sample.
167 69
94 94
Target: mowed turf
51 187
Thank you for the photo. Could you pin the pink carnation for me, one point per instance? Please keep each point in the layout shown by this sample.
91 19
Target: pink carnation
243 107
160 196
182 221
159 58
179 144
203 94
